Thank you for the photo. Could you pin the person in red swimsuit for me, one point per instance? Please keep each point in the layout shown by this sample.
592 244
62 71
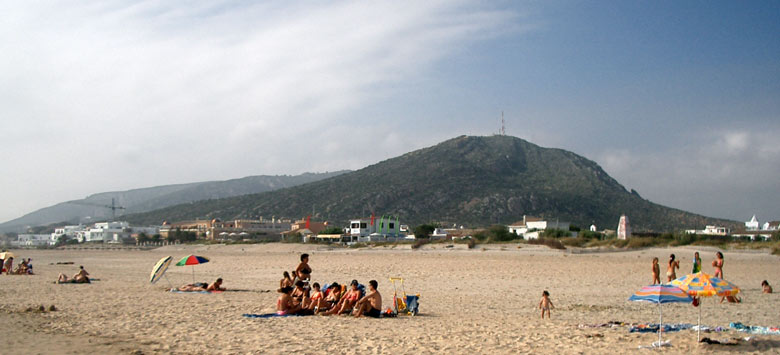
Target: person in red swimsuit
347 301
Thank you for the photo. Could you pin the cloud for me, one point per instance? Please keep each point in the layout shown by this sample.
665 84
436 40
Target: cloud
130 94
727 173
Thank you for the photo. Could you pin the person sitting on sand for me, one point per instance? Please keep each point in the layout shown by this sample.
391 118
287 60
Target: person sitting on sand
546 304
299 294
286 280
656 272
29 266
347 302
371 304
8 265
765 288
671 273
21 269
317 299
332 297
82 276
285 304
216 286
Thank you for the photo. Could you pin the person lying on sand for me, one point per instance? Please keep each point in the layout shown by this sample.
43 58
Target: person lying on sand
371 304
347 301
216 286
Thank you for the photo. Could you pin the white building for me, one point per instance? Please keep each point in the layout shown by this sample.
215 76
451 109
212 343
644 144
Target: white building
382 229
108 232
529 224
752 224
624 228
32 240
592 228
710 230
771 226
71 232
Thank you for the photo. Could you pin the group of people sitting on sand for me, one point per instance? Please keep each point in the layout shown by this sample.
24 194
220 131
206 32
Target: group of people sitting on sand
24 268
81 277
203 287
298 297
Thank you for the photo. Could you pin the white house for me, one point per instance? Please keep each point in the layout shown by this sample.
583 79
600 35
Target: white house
592 228
71 232
32 240
522 228
710 230
771 226
109 232
752 224
375 229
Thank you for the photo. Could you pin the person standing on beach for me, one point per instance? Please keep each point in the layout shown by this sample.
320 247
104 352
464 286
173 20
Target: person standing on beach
718 264
671 274
8 264
304 271
696 263
656 272
546 304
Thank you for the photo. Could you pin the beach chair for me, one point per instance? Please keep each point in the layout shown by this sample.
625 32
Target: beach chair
406 304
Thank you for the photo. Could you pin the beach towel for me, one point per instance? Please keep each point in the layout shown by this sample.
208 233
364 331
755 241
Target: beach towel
268 315
177 291
653 328
754 329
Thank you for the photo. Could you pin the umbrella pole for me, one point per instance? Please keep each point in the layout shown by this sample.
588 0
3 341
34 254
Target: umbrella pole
660 324
169 281
698 331
193 275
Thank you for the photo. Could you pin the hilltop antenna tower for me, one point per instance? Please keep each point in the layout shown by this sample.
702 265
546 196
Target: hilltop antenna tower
503 126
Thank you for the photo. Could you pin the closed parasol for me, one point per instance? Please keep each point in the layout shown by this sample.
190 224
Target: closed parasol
159 269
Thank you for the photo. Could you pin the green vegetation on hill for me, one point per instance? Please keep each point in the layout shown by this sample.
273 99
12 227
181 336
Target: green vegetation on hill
476 181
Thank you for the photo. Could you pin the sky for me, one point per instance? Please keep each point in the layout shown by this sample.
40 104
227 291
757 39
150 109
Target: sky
677 100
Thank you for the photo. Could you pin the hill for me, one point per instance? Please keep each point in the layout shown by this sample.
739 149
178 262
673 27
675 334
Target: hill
152 198
475 181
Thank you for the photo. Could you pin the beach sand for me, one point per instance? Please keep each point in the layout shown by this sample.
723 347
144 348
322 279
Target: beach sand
471 301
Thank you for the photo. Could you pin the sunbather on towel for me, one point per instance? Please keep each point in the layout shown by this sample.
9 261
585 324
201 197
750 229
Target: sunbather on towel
196 287
347 301
216 286
371 304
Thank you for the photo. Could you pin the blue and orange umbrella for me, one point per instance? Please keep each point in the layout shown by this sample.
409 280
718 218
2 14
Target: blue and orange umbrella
192 260
659 294
705 285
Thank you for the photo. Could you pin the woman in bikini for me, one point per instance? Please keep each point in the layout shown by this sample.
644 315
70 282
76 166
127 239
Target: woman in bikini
284 304
298 294
347 301
286 280
317 299
670 269
303 270
718 264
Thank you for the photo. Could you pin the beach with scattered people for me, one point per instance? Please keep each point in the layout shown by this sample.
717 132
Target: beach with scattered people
482 300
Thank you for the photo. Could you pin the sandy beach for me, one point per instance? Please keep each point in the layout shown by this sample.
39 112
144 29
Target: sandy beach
472 301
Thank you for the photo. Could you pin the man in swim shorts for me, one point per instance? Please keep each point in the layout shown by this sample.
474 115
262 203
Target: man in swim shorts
371 304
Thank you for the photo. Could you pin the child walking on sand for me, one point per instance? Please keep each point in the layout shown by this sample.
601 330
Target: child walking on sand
656 272
545 304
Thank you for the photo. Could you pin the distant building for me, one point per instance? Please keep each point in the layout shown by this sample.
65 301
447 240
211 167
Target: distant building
623 229
306 228
32 240
752 224
107 232
592 228
771 226
710 230
375 229
530 224
72 232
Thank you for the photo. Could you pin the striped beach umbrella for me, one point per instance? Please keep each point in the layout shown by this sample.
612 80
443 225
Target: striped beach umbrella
705 285
660 294
192 260
159 269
